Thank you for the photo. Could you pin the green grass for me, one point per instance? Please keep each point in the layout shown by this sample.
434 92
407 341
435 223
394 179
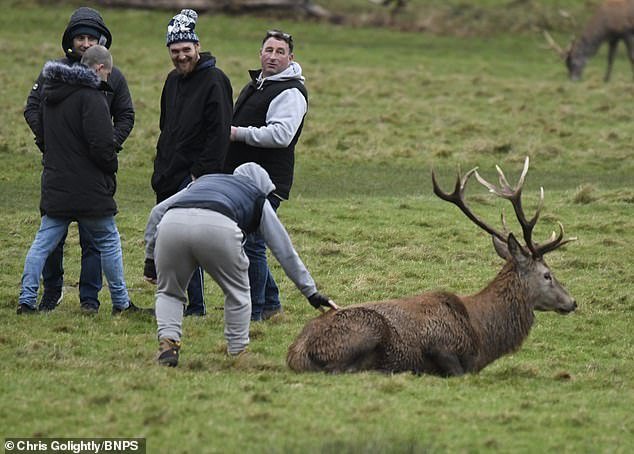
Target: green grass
385 107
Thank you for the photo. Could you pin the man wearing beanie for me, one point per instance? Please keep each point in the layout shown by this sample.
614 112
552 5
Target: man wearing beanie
85 29
195 122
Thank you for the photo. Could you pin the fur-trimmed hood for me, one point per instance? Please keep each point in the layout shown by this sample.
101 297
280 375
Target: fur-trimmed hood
61 80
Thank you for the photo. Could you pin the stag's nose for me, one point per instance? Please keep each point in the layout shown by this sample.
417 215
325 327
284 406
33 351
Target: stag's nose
572 306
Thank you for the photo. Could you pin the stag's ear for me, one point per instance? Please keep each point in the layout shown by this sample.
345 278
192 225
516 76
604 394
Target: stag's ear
501 248
517 252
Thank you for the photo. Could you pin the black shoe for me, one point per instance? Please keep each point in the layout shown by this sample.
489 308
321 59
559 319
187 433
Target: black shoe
194 311
25 309
89 307
132 309
50 299
270 313
168 352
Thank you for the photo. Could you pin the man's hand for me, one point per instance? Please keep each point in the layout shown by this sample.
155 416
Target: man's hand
149 271
319 301
232 135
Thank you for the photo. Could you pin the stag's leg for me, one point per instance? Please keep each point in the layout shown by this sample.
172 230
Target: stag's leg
611 53
629 44
447 364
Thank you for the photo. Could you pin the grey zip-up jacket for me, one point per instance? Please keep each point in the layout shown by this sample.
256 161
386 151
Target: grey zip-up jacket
258 186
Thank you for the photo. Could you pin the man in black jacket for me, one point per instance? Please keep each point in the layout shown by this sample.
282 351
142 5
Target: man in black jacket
85 29
78 180
196 108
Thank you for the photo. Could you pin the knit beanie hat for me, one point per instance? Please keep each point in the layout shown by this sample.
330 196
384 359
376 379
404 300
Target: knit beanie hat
181 27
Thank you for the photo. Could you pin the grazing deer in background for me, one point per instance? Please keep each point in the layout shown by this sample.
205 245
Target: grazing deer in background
442 333
613 21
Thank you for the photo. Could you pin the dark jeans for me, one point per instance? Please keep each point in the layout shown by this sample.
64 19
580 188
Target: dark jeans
264 292
195 289
90 280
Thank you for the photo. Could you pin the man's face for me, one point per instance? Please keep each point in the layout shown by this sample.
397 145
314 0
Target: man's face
184 56
275 56
83 42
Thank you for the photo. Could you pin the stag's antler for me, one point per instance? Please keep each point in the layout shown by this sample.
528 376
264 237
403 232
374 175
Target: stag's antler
555 241
514 195
554 46
457 198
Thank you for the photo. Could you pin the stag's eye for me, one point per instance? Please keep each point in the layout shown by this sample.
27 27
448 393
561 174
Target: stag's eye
548 277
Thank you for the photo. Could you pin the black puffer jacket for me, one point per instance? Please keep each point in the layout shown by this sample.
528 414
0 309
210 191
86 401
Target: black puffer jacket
79 159
119 99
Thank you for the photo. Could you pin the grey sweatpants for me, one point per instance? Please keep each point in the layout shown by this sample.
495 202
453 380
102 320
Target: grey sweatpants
192 237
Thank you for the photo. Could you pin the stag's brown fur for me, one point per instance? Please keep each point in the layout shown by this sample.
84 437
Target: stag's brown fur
443 333
612 22
434 333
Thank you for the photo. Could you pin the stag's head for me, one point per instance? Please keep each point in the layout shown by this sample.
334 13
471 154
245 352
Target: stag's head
575 62
574 59
544 291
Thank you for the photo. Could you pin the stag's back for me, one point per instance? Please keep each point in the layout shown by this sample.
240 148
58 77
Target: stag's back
612 16
395 336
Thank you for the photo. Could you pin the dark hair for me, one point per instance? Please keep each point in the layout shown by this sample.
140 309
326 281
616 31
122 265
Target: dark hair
279 34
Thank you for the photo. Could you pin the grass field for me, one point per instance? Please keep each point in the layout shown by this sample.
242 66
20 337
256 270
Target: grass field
385 107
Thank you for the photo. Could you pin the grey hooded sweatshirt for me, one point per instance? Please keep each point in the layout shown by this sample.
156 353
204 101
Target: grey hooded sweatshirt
242 198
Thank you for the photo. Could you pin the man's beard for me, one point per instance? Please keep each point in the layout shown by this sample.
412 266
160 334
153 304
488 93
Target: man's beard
187 66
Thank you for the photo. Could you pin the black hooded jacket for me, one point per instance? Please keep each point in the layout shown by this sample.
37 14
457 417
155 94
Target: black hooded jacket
119 99
78 179
195 125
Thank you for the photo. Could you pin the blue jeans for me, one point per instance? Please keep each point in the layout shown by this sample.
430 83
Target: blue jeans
90 281
105 236
264 292
195 289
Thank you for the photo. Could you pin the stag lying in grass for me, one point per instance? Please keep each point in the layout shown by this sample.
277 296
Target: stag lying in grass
613 21
443 333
